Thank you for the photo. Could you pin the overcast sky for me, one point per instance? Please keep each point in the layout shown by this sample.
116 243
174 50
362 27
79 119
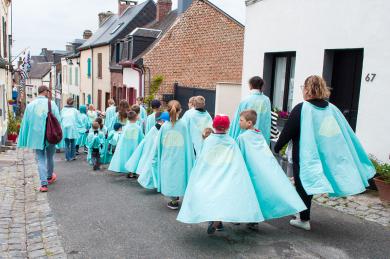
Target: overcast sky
53 23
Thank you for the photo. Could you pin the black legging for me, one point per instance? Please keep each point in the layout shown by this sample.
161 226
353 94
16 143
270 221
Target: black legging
305 215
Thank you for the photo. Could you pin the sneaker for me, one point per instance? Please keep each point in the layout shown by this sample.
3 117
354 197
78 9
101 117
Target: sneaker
253 226
43 188
211 229
173 205
131 176
300 224
77 153
53 179
220 227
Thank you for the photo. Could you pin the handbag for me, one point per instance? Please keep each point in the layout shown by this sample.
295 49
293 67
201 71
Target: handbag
53 127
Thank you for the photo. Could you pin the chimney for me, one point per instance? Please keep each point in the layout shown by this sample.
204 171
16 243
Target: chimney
87 34
124 4
183 5
163 8
103 16
69 48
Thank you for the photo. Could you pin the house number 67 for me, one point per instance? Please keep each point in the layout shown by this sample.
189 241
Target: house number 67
370 77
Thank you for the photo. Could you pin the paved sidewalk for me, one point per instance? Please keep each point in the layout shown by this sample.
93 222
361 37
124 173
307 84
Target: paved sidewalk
27 225
366 206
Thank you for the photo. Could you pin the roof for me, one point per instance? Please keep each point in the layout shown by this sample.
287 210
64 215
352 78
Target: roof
145 32
114 25
39 70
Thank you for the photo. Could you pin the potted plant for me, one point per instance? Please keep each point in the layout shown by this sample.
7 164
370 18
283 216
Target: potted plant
282 117
13 127
382 180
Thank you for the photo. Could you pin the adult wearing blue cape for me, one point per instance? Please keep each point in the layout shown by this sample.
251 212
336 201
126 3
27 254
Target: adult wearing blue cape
151 119
144 159
255 101
130 138
175 156
33 132
70 120
327 156
220 188
84 126
110 115
197 121
276 195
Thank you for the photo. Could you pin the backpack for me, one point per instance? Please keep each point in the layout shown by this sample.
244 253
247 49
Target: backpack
53 127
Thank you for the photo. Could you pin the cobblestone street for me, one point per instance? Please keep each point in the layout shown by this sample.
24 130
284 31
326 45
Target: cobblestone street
27 226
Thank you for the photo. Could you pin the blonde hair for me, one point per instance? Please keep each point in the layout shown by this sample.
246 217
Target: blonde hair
199 102
249 115
111 101
315 88
174 109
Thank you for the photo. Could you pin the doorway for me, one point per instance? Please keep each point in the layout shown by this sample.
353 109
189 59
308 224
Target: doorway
343 73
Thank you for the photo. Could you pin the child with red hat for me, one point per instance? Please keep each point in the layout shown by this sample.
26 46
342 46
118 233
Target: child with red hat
220 188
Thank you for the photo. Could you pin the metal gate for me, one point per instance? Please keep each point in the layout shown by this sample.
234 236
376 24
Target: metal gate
183 93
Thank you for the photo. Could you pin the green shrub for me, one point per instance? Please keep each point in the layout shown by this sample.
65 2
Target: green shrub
154 87
382 169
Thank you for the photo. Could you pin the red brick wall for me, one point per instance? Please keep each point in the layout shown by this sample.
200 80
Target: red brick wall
204 47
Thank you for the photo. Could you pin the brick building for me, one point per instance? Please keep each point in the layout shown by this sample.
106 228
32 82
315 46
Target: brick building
204 46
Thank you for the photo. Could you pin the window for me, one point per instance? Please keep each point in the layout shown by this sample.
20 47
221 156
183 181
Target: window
282 79
89 67
5 37
116 28
64 72
118 52
99 100
76 76
99 65
89 99
84 98
70 76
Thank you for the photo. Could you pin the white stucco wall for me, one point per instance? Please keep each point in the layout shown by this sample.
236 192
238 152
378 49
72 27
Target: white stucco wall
70 88
227 98
131 79
310 27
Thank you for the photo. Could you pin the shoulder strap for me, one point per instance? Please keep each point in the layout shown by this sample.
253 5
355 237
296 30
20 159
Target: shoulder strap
49 105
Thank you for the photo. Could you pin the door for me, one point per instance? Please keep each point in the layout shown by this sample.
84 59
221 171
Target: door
107 98
345 81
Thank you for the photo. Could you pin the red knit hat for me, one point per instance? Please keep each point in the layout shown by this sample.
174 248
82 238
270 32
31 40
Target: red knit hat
221 122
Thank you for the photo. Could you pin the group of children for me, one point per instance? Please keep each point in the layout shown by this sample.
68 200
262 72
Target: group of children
194 158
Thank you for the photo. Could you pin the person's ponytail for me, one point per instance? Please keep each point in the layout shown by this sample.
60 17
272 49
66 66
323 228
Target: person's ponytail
174 109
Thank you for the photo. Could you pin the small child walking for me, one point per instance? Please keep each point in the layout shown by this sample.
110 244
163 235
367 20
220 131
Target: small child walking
276 195
220 188
95 142
130 138
113 138
151 119
175 156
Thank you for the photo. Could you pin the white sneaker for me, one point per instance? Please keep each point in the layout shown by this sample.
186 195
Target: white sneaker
300 224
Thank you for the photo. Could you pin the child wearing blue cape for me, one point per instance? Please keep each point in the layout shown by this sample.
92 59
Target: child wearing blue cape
191 108
95 142
151 119
175 156
327 155
198 120
105 157
275 193
142 113
220 188
83 127
113 138
128 141
144 159
261 104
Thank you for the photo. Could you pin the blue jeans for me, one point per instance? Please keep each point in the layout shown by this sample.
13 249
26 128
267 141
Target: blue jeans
70 149
45 162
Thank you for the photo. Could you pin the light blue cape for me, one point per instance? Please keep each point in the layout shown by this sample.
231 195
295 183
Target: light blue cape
92 115
331 158
128 141
70 121
83 126
276 195
150 122
197 121
175 158
262 105
33 126
110 116
144 160
94 141
220 188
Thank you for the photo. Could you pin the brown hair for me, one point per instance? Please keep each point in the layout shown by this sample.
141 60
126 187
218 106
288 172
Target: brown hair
95 125
207 132
100 121
199 102
111 101
123 109
132 116
256 82
174 109
140 99
315 88
249 115
69 101
136 108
